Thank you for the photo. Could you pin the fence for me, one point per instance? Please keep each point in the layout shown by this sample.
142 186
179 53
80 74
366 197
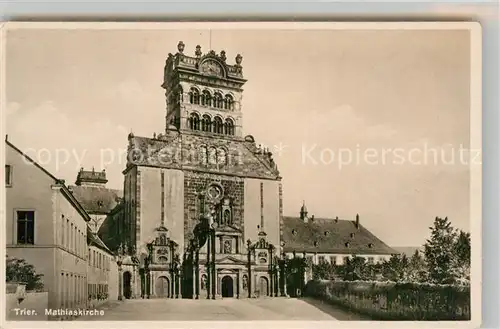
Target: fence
396 301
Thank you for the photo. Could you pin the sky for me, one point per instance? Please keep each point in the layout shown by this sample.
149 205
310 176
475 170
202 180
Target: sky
360 122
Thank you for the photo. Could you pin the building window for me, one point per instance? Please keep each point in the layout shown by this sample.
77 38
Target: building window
8 175
346 259
194 96
218 126
321 259
229 127
228 102
206 98
206 123
217 101
333 260
25 227
371 260
194 121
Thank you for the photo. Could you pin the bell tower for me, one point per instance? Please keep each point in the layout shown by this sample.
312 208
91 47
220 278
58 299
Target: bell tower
203 93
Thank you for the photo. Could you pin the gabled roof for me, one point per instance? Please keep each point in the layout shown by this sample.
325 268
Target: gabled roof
94 240
163 152
60 182
97 199
324 235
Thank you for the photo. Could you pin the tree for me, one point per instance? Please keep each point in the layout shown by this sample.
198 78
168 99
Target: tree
462 255
18 270
417 268
440 252
396 268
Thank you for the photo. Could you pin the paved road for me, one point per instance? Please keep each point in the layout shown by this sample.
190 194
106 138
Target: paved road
222 310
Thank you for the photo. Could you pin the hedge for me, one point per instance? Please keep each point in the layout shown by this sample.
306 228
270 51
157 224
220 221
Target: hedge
395 301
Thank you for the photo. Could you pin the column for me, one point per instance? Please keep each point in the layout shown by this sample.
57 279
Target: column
197 274
193 279
209 272
120 282
179 292
238 281
172 285
213 266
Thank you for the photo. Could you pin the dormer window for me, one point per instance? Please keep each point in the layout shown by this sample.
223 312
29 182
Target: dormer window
370 245
347 244
294 232
316 243
352 235
327 233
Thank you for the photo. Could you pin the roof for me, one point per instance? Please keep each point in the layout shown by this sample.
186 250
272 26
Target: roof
59 182
94 240
97 199
163 151
325 235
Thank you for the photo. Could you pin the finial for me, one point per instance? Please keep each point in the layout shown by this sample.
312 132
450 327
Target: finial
93 169
223 55
180 46
238 59
154 135
198 51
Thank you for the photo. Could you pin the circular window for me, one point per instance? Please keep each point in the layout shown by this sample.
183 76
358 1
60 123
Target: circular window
214 192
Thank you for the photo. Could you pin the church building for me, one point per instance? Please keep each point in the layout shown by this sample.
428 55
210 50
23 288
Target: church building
202 203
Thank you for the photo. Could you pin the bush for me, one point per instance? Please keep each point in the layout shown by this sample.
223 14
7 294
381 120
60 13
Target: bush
19 271
395 300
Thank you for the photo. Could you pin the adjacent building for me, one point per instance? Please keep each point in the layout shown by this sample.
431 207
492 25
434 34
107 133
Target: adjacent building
46 226
331 240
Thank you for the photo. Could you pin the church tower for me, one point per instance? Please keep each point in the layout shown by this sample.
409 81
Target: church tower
203 93
203 173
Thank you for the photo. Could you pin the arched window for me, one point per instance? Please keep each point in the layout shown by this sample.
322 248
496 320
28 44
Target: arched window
218 101
229 127
206 123
194 96
228 102
218 126
203 154
206 98
194 121
162 260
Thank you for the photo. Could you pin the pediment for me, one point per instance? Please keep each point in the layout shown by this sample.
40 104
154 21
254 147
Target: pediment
230 261
229 229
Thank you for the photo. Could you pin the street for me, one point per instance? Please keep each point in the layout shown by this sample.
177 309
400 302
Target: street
222 310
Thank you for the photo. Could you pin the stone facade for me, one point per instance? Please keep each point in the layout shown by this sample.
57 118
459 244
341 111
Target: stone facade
200 169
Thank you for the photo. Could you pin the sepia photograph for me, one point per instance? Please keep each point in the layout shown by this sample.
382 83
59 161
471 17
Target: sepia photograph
242 172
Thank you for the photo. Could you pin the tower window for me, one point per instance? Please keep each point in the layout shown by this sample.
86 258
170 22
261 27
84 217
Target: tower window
218 101
194 121
206 123
228 102
229 127
218 126
206 98
194 96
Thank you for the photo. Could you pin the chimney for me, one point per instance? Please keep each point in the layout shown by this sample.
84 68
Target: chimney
6 138
357 221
